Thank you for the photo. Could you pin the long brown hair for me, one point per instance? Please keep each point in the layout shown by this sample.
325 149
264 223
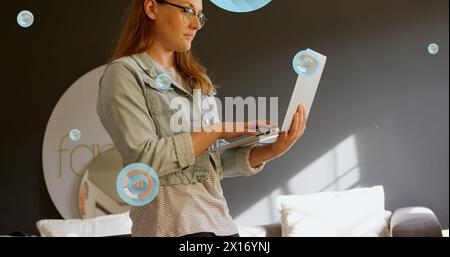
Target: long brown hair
136 37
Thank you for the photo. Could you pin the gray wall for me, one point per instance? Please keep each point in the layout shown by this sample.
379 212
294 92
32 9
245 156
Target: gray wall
381 108
380 87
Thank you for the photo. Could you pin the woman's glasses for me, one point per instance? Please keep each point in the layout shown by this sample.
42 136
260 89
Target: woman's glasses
189 13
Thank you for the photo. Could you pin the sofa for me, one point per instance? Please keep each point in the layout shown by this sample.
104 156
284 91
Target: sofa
350 213
404 222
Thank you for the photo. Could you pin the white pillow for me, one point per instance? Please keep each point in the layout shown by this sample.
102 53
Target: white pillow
357 212
252 231
110 225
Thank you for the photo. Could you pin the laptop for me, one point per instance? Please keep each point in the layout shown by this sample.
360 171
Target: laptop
309 65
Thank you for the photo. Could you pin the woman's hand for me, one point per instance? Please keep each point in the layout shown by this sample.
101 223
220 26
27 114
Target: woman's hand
285 140
228 130
201 141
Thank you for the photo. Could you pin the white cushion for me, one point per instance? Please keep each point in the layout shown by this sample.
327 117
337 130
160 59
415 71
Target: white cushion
266 230
110 225
252 231
357 212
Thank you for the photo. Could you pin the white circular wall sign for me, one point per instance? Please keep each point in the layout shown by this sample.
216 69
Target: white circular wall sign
64 160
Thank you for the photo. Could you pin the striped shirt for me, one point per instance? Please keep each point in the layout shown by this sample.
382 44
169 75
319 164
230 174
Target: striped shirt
179 210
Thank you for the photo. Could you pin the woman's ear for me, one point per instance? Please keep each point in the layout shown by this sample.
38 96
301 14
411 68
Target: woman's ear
150 8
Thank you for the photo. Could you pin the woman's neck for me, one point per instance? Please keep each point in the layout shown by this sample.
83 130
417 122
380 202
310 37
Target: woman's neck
162 56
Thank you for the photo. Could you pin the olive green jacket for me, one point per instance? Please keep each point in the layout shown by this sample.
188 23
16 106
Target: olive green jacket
136 113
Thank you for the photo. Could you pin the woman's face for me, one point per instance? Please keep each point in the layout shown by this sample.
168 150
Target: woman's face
174 29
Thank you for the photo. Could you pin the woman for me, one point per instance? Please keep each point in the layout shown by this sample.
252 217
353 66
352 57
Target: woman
134 107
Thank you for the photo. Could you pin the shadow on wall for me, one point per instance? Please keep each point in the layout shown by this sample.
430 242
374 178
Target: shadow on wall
336 170
380 116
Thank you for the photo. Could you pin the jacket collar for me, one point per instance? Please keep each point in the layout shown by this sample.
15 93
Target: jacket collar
152 69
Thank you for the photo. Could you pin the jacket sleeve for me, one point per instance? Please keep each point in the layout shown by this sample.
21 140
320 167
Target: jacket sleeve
123 112
235 162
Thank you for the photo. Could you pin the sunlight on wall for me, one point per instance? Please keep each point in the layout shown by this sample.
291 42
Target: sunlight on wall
336 170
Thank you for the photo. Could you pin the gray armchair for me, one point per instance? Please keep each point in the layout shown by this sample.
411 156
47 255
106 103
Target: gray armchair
415 222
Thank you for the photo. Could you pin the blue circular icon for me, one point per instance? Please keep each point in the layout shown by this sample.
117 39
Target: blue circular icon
241 5
163 81
75 135
137 184
433 48
305 62
25 19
